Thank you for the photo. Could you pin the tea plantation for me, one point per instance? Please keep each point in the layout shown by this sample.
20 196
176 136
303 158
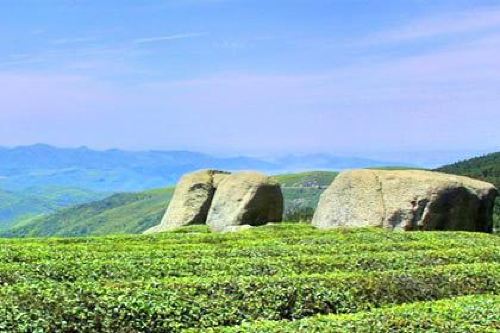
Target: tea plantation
277 278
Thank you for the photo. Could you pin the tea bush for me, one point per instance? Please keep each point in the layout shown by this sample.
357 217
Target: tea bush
289 273
461 314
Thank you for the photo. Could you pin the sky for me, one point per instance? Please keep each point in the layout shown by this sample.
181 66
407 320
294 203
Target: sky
251 76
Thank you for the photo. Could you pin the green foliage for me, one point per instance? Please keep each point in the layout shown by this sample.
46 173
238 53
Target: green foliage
460 314
485 168
193 279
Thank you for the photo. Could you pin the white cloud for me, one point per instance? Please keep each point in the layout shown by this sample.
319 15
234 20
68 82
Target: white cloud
169 37
444 25
72 40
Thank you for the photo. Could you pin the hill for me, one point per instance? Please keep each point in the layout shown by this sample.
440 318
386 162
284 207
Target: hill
306 179
119 213
116 170
486 168
277 278
301 192
136 212
18 205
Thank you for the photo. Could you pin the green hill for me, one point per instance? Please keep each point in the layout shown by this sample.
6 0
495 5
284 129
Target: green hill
136 212
486 168
306 179
276 278
119 213
301 192
18 205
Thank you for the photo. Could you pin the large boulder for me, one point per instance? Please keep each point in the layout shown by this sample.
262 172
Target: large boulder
245 199
191 200
407 200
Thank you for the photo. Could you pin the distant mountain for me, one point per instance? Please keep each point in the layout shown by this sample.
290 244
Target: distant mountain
486 168
110 170
136 212
324 161
125 171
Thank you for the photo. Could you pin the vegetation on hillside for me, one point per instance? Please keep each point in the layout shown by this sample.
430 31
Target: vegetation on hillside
311 179
31 202
301 192
485 168
117 214
193 279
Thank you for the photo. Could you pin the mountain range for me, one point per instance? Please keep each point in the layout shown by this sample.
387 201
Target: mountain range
40 179
136 212
119 171
38 183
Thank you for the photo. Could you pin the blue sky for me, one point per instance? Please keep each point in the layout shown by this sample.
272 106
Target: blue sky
251 77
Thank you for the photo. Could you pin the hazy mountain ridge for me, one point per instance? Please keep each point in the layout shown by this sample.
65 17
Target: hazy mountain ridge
122 171
110 170
33 176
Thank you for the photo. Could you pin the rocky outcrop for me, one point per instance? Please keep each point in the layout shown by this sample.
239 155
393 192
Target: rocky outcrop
191 200
245 199
407 200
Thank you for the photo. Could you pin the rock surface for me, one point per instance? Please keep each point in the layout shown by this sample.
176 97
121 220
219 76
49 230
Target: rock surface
245 199
191 200
407 200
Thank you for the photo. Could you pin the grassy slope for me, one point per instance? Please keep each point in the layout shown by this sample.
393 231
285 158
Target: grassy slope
15 206
196 279
119 213
136 212
306 179
486 168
